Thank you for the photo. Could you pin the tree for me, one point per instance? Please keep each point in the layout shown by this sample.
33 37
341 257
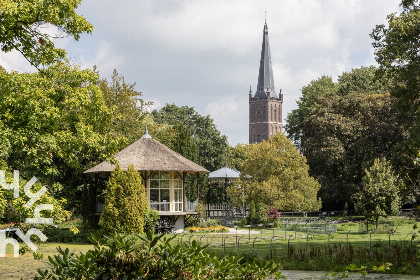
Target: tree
183 143
14 210
358 80
25 26
211 145
343 136
307 102
125 202
56 125
127 109
397 52
379 196
275 174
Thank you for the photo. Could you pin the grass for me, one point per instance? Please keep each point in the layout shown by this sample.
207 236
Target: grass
25 266
294 248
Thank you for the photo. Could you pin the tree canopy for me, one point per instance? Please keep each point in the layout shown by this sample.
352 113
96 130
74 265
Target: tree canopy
398 54
342 127
210 142
343 136
358 80
29 26
55 124
274 173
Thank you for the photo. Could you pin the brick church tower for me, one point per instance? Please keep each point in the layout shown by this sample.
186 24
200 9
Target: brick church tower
265 106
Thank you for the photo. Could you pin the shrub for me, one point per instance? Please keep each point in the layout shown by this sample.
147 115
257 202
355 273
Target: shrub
122 257
272 214
151 218
201 211
252 218
125 202
208 229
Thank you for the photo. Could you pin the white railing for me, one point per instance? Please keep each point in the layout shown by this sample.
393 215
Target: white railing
167 206
190 206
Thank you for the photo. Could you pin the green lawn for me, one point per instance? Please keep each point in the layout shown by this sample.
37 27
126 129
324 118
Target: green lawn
25 266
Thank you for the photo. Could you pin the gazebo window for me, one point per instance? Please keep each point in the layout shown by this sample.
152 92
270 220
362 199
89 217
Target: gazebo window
165 191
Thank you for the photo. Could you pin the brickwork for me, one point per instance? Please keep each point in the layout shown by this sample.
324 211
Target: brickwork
265 117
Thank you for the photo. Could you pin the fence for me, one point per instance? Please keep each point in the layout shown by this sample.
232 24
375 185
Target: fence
294 239
190 205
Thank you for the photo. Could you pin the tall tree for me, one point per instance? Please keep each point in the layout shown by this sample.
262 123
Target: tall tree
380 194
274 173
210 142
358 80
127 108
183 143
306 104
398 54
57 126
211 145
342 138
23 27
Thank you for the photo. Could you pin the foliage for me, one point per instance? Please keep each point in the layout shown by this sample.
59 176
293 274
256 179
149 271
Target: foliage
64 235
210 143
236 156
119 257
397 52
306 104
343 136
26 27
209 223
274 173
125 202
126 108
379 196
252 218
201 211
151 218
56 126
273 214
14 210
207 148
358 80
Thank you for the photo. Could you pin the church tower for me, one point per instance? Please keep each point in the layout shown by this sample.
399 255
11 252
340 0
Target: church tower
265 106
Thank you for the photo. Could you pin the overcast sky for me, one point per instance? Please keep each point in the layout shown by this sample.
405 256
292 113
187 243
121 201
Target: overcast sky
205 53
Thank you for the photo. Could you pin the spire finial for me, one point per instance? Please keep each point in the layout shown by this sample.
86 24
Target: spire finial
146 133
265 16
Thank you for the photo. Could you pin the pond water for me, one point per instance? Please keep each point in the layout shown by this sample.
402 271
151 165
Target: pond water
318 275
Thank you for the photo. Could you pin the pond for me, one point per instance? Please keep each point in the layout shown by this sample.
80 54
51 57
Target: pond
318 275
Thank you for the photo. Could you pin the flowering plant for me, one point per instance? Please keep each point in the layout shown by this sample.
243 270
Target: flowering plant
272 214
208 229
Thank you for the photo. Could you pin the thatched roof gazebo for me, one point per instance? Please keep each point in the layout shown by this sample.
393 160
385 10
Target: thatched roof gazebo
162 170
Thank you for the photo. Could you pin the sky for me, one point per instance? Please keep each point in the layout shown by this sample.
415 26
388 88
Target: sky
205 54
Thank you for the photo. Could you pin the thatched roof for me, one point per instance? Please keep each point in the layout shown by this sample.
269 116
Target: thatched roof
147 154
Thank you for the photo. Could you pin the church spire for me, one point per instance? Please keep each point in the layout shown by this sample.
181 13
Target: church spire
265 74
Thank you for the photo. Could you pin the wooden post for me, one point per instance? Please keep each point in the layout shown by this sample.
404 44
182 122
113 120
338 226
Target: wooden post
198 186
184 200
95 189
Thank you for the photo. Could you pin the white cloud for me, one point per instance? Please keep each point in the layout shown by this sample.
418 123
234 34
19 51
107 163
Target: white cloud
205 54
14 61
